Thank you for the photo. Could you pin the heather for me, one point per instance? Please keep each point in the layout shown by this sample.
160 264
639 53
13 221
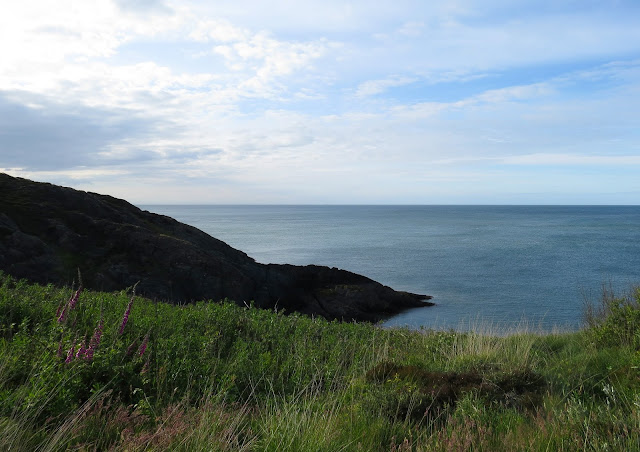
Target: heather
86 370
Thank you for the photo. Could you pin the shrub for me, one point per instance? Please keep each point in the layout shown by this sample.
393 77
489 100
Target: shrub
616 320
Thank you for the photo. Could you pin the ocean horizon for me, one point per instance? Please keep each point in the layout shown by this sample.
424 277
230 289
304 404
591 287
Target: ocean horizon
497 266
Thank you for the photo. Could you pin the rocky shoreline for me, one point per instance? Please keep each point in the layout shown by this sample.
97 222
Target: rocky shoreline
47 232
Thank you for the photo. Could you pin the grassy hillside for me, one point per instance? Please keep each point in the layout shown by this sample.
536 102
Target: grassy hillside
111 371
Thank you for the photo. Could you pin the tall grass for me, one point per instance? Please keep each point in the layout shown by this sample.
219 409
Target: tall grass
216 376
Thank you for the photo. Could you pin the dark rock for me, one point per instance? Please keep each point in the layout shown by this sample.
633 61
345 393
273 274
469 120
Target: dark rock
47 232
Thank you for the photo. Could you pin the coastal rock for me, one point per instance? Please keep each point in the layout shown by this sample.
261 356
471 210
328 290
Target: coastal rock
48 231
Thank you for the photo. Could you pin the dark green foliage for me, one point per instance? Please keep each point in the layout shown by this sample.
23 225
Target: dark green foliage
421 393
616 321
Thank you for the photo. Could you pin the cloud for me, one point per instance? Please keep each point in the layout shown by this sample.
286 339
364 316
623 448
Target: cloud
262 61
218 30
142 5
360 100
373 87
412 29
514 94
46 136
573 160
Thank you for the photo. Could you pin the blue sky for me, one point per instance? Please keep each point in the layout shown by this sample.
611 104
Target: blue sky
331 102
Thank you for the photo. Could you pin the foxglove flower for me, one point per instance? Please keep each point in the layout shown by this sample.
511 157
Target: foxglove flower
143 346
132 347
63 315
94 341
59 353
125 318
97 335
81 350
70 354
59 310
73 301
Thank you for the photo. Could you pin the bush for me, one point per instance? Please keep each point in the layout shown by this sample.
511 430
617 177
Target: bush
616 320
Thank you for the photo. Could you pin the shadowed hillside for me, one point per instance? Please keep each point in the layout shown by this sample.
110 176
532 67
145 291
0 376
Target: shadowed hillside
47 232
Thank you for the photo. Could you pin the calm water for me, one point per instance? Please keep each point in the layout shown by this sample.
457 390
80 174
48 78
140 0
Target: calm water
495 265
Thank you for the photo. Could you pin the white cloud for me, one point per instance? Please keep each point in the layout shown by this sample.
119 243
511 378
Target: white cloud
263 60
373 87
573 160
219 31
281 99
142 5
81 174
514 94
412 29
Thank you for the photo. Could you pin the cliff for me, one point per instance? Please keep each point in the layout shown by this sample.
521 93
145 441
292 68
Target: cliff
47 232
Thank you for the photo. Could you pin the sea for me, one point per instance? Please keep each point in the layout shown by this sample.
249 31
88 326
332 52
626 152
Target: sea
501 268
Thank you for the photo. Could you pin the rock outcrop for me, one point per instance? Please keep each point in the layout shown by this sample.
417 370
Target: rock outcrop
47 232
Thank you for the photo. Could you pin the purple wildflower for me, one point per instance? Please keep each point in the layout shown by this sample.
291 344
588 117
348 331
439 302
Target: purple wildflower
97 335
95 341
82 351
74 299
145 368
143 346
132 347
63 315
70 354
125 318
59 353
59 311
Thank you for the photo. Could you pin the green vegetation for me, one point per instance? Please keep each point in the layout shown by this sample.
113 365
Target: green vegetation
108 371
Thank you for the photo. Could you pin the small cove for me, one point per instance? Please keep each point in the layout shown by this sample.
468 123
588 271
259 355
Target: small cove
501 266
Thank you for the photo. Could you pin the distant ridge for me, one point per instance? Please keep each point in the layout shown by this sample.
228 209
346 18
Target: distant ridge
48 231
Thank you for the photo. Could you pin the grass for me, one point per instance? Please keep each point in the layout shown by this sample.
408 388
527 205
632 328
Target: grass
216 376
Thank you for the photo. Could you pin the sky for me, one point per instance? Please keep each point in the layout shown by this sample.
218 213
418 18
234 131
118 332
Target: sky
325 102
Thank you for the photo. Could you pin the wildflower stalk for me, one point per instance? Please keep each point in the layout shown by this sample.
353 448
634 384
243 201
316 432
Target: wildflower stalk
131 347
125 318
73 301
95 340
61 305
70 354
60 349
82 350
144 344
61 313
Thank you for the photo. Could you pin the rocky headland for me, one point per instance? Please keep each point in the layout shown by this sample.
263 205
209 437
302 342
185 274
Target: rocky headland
47 232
